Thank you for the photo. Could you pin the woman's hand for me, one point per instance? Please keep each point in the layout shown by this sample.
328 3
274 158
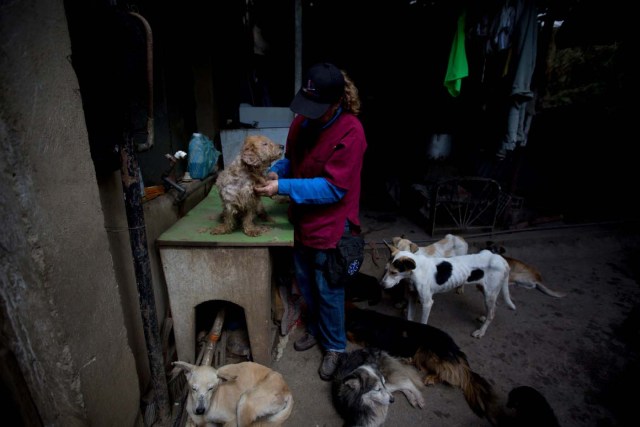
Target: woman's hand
269 189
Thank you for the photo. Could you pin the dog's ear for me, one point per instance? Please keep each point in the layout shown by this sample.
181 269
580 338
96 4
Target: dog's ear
396 240
404 264
414 248
249 155
495 248
352 381
393 249
226 377
186 367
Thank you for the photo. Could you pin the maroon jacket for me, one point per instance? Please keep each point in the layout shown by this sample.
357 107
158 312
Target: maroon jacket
336 154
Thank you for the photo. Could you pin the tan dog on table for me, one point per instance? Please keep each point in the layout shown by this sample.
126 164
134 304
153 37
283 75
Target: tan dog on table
238 394
235 185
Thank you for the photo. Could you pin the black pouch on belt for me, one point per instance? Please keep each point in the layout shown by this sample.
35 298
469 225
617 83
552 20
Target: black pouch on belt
344 262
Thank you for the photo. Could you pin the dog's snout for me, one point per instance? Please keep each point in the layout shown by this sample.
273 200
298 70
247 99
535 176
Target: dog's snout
201 407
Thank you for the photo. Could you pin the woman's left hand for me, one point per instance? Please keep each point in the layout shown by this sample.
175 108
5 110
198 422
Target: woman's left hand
269 189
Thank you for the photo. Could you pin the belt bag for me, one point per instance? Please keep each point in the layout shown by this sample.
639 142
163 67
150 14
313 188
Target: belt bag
344 262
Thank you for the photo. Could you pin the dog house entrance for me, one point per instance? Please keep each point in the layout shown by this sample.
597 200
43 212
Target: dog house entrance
233 344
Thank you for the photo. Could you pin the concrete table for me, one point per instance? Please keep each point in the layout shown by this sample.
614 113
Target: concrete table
200 267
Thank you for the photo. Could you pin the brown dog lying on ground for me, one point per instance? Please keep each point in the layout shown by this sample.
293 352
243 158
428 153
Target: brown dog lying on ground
235 185
522 274
237 394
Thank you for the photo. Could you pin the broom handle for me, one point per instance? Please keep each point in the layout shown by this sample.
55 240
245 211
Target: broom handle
212 338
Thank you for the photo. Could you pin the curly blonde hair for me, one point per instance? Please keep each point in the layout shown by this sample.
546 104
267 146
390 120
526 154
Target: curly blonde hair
351 99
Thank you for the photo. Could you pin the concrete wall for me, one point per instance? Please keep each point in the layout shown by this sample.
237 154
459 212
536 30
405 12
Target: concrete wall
60 301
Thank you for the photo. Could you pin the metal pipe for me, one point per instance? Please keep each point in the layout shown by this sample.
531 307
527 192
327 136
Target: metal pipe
149 39
130 173
182 192
297 49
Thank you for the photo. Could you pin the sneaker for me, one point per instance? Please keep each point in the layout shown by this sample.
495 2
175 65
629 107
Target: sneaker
329 365
305 342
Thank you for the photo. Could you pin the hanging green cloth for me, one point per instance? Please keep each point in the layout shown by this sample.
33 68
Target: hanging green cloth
458 67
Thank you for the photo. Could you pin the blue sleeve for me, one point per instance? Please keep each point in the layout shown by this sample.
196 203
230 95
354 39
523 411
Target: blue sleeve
281 167
310 190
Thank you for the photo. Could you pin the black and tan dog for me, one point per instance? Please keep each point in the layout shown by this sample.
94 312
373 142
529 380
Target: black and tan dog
431 350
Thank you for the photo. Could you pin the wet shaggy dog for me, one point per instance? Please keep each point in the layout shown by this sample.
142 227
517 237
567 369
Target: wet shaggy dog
364 382
435 275
431 350
236 182
522 274
237 394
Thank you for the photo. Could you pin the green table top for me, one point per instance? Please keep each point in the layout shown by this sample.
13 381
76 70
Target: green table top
194 228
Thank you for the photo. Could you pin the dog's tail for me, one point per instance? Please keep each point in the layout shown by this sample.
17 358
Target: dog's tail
531 279
537 284
542 288
456 371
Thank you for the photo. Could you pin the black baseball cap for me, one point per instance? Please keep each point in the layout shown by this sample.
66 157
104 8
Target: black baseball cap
322 86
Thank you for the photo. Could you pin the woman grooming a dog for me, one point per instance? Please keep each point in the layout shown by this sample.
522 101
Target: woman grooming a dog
321 175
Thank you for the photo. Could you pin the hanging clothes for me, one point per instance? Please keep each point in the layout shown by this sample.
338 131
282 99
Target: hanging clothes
521 66
458 68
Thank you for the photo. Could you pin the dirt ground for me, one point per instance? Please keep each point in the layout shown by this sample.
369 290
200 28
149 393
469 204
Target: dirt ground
580 351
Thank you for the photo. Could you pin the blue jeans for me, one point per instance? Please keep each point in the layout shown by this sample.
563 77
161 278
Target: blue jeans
325 304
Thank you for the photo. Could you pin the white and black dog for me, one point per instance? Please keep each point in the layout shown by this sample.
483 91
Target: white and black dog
450 245
431 275
364 383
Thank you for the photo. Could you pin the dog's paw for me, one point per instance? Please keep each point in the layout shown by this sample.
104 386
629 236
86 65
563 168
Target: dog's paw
415 400
221 229
256 231
431 379
478 333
